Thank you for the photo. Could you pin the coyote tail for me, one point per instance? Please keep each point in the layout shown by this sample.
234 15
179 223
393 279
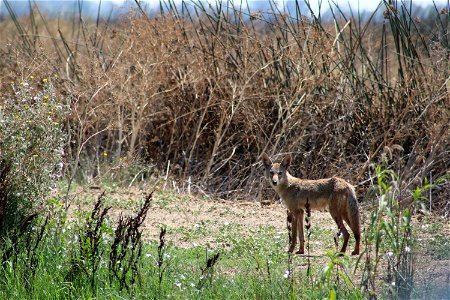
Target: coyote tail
353 210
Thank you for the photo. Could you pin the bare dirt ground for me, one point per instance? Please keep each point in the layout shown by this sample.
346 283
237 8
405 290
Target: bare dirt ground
189 212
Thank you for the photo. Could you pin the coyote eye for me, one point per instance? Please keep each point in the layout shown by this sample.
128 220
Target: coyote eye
279 173
271 172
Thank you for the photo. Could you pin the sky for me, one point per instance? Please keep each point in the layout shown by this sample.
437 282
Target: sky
52 6
368 5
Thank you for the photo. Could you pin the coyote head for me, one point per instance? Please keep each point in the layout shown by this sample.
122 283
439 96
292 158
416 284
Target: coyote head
276 172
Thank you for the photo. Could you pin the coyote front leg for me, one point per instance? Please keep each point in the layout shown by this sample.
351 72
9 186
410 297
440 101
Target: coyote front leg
301 236
294 232
297 231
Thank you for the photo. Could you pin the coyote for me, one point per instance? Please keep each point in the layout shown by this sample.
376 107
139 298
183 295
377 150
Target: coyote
334 194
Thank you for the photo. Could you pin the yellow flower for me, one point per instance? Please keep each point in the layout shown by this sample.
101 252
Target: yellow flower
105 154
44 80
46 97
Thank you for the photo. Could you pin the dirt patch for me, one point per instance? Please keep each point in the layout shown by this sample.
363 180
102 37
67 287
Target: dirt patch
174 211
190 212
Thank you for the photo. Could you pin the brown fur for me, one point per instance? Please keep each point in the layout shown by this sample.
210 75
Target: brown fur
334 194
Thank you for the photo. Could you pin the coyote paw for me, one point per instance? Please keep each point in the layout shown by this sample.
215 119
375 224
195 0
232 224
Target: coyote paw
355 252
300 252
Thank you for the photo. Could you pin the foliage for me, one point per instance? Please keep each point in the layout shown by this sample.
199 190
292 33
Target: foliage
389 236
31 148
126 248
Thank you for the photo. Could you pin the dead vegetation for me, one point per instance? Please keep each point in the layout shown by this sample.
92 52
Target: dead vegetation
202 92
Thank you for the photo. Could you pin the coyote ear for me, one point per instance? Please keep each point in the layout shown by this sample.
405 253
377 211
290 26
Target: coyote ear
266 160
286 162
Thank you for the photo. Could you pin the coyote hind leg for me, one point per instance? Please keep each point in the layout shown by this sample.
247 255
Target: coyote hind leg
341 226
356 232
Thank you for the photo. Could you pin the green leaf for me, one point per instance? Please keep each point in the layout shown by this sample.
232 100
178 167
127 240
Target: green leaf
332 294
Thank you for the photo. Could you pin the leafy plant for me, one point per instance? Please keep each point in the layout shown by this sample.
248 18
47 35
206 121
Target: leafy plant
389 236
126 249
31 148
86 260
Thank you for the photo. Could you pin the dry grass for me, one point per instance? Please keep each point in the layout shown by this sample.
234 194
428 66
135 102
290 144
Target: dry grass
203 95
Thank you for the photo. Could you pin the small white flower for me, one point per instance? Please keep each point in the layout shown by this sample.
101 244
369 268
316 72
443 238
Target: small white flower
226 223
148 255
195 244
389 254
286 274
407 249
178 284
393 283
166 255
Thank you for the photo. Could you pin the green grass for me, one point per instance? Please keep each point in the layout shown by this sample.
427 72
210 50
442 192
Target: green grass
250 265
439 247
435 239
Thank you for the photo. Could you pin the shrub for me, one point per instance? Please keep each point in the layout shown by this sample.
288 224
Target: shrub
31 149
